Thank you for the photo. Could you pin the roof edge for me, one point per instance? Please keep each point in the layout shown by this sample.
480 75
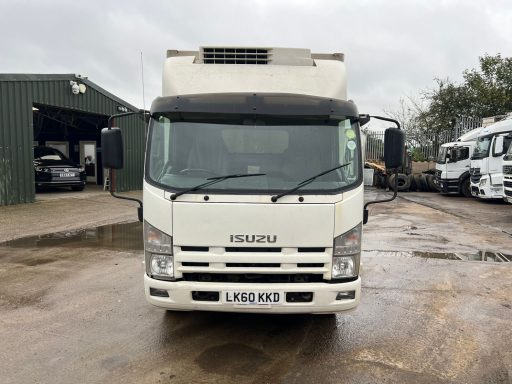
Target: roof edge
69 77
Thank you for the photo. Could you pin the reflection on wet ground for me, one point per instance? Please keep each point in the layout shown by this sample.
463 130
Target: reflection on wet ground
482 255
126 236
489 256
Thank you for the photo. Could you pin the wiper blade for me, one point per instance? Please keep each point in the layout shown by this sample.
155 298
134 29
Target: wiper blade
306 182
214 180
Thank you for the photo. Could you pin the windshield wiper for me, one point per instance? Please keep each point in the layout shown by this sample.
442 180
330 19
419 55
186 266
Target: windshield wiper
213 180
306 182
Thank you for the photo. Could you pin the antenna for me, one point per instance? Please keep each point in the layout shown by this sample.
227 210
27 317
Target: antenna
142 76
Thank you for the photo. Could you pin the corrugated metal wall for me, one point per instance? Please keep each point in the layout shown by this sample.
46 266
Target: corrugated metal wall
17 95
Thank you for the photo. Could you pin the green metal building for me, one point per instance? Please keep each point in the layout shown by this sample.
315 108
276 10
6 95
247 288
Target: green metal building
66 112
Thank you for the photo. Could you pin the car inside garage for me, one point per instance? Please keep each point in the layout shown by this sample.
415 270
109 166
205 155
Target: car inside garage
65 112
76 134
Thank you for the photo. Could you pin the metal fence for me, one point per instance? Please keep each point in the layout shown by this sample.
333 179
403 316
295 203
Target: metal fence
421 145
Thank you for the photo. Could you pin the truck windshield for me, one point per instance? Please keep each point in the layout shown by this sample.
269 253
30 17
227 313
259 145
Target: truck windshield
508 156
482 146
184 153
441 157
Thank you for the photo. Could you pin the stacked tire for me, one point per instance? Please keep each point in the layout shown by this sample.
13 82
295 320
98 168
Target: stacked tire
422 182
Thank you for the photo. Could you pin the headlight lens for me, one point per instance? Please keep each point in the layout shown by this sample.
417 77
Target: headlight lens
158 252
343 266
347 253
162 265
42 169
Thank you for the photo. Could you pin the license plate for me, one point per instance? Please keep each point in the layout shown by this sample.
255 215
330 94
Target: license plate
70 174
252 297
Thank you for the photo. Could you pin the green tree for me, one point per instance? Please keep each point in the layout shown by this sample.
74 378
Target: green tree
486 91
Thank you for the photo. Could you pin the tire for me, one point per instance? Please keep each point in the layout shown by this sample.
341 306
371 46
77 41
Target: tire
404 182
465 188
383 181
376 180
431 183
412 181
78 187
417 182
424 183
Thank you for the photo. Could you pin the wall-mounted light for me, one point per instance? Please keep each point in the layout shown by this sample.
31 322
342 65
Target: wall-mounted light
74 87
35 109
77 88
122 108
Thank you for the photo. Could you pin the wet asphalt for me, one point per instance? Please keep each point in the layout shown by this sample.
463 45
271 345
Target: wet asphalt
436 307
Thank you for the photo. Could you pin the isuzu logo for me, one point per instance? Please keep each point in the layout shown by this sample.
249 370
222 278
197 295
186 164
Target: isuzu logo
252 238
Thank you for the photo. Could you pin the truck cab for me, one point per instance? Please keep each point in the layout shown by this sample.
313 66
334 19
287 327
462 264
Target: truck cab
453 163
487 160
253 183
507 176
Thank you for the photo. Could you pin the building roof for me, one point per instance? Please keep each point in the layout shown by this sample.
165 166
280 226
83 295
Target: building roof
70 77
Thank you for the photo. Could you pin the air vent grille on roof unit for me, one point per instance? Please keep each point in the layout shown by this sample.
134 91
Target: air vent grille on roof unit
235 55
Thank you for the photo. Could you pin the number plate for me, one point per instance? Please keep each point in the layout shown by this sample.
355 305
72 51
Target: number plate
252 298
71 174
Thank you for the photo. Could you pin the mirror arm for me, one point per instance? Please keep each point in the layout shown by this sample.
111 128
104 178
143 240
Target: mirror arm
139 112
111 174
387 119
395 193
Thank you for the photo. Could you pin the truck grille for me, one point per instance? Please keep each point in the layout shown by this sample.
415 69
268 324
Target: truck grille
507 169
235 55
475 175
252 264
507 184
508 193
253 278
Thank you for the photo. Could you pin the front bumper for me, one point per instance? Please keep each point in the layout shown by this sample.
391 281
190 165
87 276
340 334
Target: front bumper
324 296
448 185
486 191
68 183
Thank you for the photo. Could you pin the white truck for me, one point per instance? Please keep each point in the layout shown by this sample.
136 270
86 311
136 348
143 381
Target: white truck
253 184
507 175
487 160
453 163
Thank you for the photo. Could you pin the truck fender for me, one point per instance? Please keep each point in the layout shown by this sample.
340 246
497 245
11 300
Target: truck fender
464 176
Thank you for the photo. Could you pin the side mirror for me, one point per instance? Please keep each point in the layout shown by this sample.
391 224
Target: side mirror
112 148
394 146
498 146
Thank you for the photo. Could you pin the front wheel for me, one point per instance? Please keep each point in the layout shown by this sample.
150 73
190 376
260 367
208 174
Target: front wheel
466 188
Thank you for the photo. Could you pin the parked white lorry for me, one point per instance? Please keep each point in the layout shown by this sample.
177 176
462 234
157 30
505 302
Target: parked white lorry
453 163
253 185
487 160
507 175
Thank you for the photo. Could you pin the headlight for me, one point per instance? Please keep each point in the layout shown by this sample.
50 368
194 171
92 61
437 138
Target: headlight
81 169
42 169
162 265
483 182
158 252
347 253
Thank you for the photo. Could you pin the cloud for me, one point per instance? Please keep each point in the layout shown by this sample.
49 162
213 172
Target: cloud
393 48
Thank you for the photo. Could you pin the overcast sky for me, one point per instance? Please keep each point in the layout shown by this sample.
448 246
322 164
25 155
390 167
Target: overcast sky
393 48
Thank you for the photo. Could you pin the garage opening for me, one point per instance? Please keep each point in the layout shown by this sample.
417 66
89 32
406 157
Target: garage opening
74 133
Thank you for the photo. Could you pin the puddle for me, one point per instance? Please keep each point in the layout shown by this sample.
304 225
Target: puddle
126 236
487 256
